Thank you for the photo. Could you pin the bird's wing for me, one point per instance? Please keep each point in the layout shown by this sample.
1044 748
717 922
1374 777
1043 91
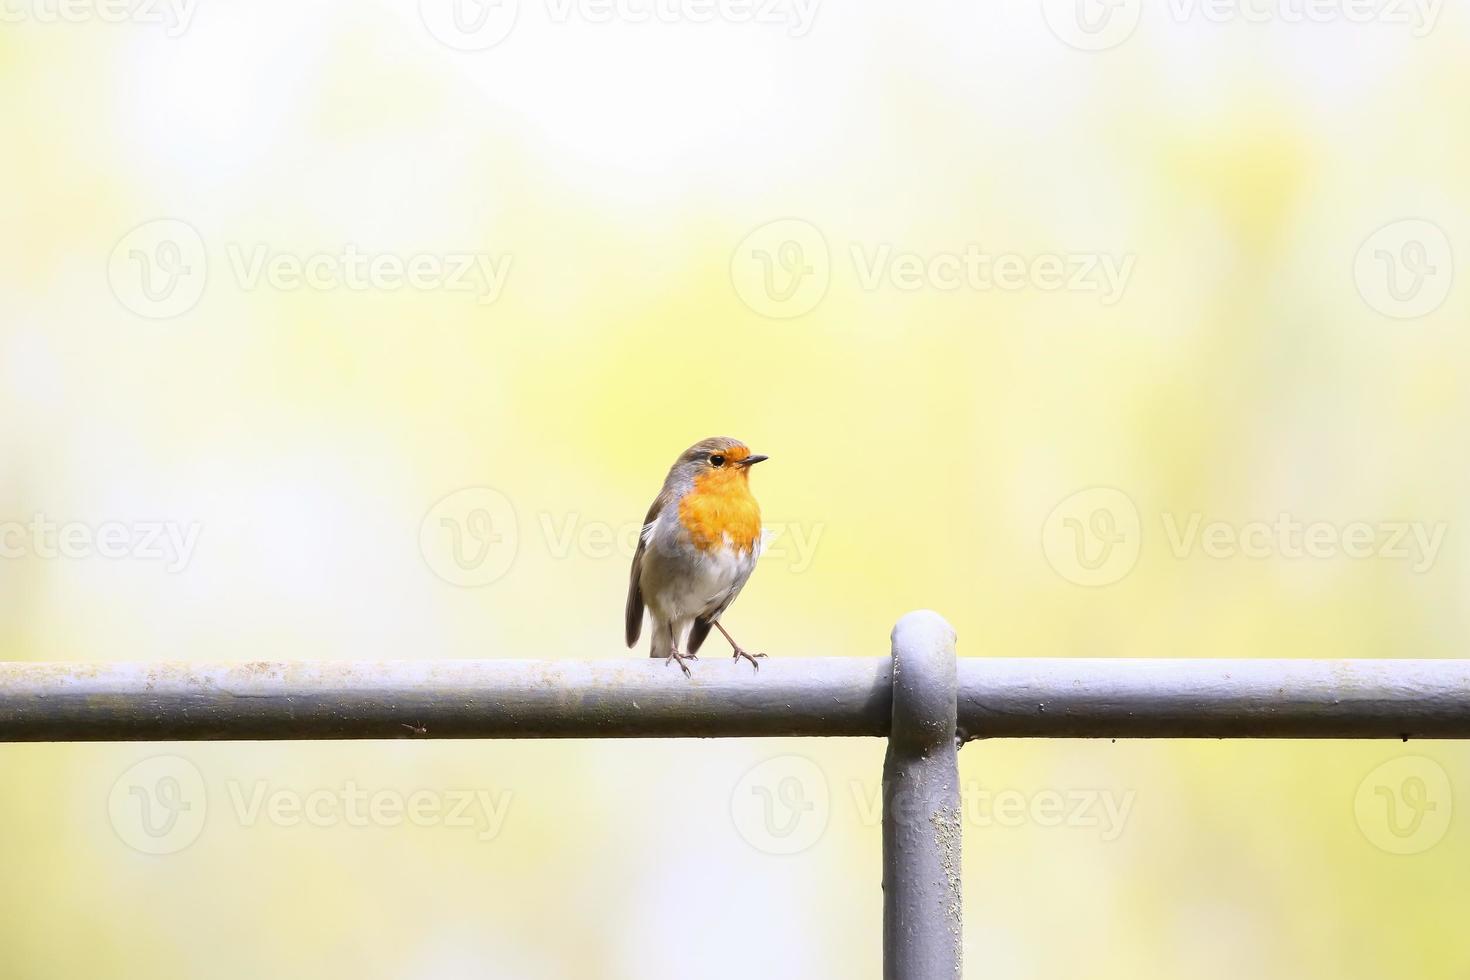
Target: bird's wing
633 612
699 631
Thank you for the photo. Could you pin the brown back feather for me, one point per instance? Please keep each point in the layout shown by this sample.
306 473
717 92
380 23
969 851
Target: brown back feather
633 611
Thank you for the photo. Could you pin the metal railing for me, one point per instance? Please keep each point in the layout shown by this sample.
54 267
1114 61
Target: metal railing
922 699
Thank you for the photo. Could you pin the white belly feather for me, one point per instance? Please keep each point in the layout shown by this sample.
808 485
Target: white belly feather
680 582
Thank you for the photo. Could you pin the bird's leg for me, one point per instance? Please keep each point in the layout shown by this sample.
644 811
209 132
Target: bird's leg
676 657
739 652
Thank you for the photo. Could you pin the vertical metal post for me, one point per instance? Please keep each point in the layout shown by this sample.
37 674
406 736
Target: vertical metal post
921 807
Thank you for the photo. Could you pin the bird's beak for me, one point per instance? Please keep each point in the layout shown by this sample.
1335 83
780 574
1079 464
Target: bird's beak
752 460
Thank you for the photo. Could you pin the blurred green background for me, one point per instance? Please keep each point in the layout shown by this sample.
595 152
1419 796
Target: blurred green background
393 315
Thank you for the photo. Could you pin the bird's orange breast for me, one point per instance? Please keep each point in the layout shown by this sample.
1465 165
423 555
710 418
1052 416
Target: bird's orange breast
719 507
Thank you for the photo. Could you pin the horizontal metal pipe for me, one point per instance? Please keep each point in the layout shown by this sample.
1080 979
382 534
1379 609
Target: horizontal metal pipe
633 698
1214 698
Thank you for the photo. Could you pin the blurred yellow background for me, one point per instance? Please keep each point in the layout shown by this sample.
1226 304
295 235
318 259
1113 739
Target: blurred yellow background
1065 320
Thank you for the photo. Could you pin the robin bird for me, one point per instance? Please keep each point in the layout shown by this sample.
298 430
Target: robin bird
699 544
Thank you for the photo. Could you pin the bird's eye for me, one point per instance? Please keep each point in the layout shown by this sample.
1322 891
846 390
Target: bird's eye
717 460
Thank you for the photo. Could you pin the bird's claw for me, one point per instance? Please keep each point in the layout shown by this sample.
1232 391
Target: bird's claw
676 657
752 657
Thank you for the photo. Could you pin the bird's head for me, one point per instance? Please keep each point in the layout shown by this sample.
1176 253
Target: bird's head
715 465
